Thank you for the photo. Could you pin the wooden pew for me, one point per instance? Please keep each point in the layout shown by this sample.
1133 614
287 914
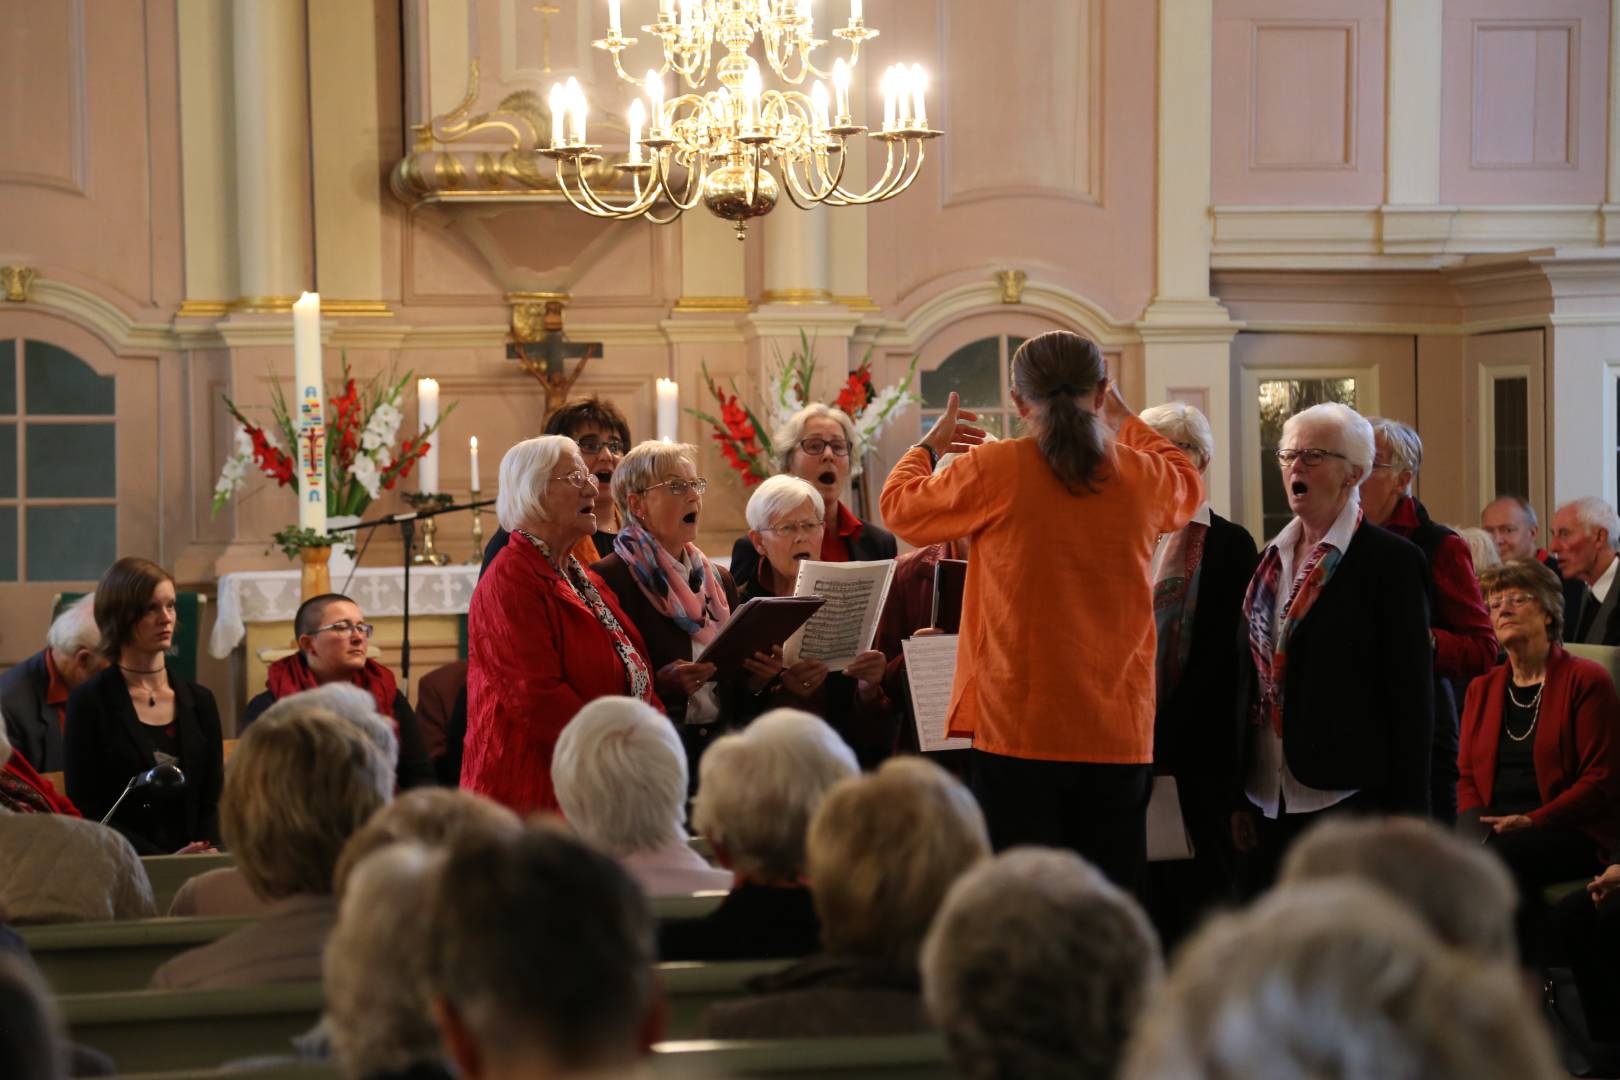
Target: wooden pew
168 872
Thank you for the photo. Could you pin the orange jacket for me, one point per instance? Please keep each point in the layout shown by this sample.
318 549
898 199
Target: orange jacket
1056 655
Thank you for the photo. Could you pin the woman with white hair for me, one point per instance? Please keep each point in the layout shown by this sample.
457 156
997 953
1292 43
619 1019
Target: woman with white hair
1200 573
1338 631
620 775
758 791
674 595
818 445
785 527
545 635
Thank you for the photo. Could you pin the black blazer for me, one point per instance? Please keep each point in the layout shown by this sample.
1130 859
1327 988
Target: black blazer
414 768
1192 737
1358 705
1577 598
873 543
103 749
31 725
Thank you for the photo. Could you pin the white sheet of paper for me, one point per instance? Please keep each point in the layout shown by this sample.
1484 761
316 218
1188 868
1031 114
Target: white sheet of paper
1167 838
931 671
846 624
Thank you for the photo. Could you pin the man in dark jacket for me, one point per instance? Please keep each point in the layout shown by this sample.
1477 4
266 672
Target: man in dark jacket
33 695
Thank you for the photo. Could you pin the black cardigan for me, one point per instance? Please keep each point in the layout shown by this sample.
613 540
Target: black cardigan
103 748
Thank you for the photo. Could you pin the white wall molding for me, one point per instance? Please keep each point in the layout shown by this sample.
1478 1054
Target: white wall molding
101 317
978 297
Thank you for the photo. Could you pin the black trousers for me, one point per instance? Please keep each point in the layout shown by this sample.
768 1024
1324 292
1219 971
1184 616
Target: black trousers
1538 857
1181 893
1589 938
1276 835
1095 809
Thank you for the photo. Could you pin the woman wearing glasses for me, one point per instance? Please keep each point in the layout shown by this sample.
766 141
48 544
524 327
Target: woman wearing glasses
333 638
673 594
818 446
1339 645
1537 763
545 635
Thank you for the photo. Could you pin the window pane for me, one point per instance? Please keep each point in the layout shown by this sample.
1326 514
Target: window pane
1511 452
8 543
1278 400
8 376
8 461
973 371
57 383
71 461
68 543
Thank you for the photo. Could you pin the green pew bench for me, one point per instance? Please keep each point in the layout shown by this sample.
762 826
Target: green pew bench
168 872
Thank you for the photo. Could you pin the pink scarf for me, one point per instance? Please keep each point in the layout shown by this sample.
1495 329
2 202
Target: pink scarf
691 598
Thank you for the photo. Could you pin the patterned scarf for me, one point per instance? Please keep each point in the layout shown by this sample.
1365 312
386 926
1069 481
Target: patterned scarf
689 594
637 676
1175 596
1268 644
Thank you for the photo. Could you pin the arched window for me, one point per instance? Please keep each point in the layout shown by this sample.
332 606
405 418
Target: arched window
978 371
58 465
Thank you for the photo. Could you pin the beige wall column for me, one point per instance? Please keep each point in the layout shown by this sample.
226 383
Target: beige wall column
347 157
1186 333
713 273
207 167
1611 200
1412 105
272 140
796 255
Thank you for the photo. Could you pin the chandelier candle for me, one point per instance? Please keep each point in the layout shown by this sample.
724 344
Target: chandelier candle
310 453
427 414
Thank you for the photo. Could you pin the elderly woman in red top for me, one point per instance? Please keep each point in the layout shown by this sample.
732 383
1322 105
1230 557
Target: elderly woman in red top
1538 757
544 634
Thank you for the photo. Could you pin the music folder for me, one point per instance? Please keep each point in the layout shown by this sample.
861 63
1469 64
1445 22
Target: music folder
950 581
756 626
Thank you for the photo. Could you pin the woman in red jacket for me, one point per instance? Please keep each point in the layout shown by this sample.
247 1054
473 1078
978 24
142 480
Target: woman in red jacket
1537 761
544 634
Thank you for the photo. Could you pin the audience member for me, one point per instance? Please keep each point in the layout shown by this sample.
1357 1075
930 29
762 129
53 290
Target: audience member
1481 549
1036 966
1459 628
33 695
438 695
1335 979
1511 522
24 791
758 790
1546 791
138 714
1585 535
1200 573
785 526
818 445
333 636
599 429
540 959
1340 647
31 1046
1586 925
620 776
1463 895
676 597
61 868
286 836
430 817
544 634
1061 521
882 851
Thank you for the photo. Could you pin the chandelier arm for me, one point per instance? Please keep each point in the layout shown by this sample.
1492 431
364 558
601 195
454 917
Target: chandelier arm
618 67
872 194
904 176
690 197
600 206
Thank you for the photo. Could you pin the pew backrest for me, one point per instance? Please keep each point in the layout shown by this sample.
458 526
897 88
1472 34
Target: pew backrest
168 872
106 957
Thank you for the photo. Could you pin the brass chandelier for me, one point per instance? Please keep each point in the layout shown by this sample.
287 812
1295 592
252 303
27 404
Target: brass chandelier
738 146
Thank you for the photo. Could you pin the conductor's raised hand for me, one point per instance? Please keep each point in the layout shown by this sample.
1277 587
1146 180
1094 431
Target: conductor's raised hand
954 431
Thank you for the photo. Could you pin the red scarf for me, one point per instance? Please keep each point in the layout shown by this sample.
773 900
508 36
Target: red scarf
292 675
24 791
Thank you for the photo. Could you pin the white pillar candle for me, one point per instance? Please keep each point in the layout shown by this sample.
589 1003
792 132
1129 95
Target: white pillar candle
310 421
427 414
472 451
669 409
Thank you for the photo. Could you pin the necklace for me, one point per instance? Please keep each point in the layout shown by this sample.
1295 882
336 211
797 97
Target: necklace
1533 703
141 670
151 694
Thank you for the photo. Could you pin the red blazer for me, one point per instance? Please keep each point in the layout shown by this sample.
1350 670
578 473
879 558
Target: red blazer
1576 751
535 655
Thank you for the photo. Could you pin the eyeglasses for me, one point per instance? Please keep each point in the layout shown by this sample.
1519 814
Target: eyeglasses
679 487
815 445
590 446
1504 601
1312 457
795 528
580 480
347 628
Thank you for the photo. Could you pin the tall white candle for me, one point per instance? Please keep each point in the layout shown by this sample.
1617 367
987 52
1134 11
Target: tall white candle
613 18
427 414
841 86
854 11
472 450
576 112
818 106
637 118
655 94
669 409
919 86
559 108
310 421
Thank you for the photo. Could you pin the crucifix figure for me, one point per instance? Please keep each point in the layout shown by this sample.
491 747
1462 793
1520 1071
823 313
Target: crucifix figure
540 349
546 12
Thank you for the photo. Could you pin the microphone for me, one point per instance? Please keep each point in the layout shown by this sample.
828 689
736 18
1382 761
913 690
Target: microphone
164 778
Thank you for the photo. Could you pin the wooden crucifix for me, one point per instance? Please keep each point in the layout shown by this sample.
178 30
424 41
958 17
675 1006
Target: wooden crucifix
539 347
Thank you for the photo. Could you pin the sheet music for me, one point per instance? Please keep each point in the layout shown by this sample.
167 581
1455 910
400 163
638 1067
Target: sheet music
1167 838
845 626
931 670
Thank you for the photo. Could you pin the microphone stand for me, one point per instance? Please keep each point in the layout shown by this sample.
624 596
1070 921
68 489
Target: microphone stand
407 530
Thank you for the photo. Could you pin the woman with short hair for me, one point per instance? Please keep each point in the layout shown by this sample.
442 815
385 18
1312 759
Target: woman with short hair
818 445
138 714
620 776
545 635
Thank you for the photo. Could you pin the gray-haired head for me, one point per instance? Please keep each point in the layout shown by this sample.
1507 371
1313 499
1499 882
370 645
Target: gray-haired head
620 774
1594 513
1404 445
1185 426
73 630
642 467
1036 966
785 439
1352 435
350 703
778 497
524 475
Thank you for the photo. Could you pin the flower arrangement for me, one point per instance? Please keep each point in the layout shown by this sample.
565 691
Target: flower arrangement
361 459
746 444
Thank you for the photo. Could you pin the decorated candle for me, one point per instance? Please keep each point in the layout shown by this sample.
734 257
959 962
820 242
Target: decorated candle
309 422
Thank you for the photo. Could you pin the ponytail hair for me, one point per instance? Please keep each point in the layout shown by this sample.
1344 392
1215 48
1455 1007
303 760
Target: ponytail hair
1054 374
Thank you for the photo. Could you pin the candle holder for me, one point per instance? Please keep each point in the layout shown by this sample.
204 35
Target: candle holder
430 555
477 556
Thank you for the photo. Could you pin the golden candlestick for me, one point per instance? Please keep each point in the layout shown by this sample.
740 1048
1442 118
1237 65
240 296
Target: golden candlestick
477 556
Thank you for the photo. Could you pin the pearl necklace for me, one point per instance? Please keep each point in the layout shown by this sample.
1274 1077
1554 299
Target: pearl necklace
1533 703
